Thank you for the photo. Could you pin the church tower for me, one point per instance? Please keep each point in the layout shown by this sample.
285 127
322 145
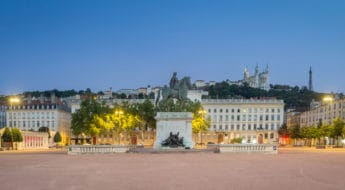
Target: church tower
310 86
246 74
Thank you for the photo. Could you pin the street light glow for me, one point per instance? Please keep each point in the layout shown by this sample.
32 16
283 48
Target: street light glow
119 112
14 100
202 111
327 99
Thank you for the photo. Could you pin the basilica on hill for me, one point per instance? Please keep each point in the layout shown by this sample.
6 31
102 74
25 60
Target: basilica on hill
258 80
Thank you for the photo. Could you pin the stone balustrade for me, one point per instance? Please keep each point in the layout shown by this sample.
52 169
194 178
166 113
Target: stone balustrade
99 149
248 148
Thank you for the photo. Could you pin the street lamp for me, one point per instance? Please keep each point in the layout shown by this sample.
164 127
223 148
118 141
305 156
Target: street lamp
327 99
13 100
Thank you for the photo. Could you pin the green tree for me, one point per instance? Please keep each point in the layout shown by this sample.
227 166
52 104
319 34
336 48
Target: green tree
45 129
338 125
83 121
326 131
310 133
283 131
17 135
200 123
7 135
294 132
294 97
147 112
57 137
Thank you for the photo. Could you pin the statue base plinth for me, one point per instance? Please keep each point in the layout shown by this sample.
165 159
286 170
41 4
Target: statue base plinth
174 122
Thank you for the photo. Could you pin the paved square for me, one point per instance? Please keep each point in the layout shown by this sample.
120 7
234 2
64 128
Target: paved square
287 170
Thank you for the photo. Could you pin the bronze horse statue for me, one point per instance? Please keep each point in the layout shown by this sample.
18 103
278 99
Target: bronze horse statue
177 88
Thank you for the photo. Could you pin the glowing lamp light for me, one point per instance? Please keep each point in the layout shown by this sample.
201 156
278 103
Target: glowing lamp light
119 112
14 100
327 99
202 111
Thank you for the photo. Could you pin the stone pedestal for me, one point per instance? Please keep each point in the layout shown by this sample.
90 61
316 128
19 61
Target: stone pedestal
175 122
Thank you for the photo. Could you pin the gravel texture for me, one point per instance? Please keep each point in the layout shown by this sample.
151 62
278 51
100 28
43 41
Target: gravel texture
287 170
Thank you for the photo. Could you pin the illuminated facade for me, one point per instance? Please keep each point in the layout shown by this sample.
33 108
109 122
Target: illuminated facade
2 116
253 120
33 116
324 113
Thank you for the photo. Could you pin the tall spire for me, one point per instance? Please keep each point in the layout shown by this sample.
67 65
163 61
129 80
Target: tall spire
257 69
246 73
310 87
267 70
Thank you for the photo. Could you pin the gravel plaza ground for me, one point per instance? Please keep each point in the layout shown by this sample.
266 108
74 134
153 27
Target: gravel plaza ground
290 169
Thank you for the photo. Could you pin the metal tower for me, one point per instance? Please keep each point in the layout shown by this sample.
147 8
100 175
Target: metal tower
310 87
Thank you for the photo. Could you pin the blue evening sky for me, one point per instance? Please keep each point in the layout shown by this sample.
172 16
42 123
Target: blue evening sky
76 44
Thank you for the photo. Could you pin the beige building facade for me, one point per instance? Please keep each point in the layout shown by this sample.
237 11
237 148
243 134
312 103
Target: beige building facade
253 120
324 113
33 116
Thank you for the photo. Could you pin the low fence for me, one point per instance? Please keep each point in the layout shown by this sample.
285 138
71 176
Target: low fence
248 148
99 149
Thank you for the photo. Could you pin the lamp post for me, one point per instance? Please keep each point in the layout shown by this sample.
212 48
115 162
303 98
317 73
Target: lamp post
13 100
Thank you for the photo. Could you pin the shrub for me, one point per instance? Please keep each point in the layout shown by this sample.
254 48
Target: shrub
236 141
57 137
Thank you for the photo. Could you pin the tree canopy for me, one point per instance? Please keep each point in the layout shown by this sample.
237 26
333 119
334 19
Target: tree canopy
335 130
17 135
94 118
7 135
294 97
83 121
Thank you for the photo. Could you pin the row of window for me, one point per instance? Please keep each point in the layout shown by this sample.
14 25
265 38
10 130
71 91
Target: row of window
29 124
245 110
326 117
34 107
32 115
221 118
246 127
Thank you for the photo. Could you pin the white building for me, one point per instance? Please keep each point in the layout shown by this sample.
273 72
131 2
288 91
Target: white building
128 92
73 102
196 95
254 120
33 116
200 83
2 116
325 112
